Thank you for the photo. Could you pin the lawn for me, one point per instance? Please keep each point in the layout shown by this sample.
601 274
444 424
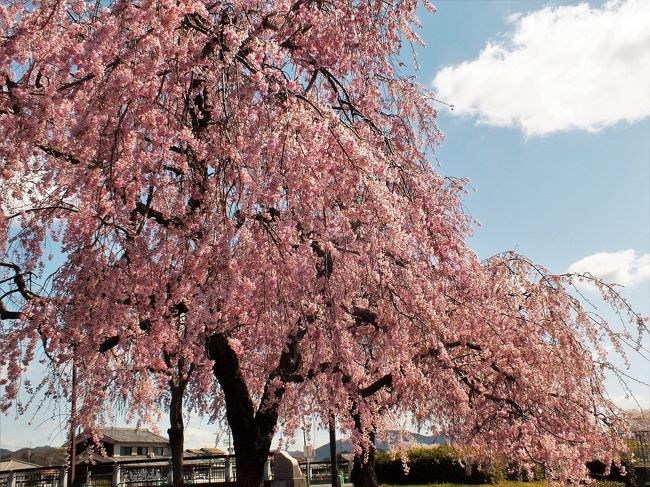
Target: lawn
508 483
505 483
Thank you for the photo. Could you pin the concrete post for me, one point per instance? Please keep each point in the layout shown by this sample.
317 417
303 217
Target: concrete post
11 480
170 473
267 470
228 472
117 475
63 477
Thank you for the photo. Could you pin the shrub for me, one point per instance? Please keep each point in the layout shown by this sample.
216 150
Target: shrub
597 471
434 465
516 472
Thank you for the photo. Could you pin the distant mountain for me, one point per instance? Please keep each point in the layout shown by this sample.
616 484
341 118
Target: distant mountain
4 452
344 446
40 455
296 453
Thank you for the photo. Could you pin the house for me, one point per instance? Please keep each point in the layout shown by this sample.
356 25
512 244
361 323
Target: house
202 452
11 465
126 444
40 455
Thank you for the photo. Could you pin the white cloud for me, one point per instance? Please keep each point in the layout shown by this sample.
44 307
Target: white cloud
563 68
632 403
624 267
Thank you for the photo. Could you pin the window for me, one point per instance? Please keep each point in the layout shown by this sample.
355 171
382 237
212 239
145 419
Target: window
142 450
157 450
126 450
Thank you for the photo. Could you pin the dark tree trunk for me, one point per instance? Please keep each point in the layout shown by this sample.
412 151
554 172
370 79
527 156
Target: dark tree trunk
252 442
363 470
363 473
252 431
249 441
250 466
176 432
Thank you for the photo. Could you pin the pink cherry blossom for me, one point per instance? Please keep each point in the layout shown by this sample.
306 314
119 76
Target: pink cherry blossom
248 222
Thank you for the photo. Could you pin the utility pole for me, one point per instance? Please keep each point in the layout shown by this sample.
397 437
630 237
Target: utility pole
73 421
308 452
334 468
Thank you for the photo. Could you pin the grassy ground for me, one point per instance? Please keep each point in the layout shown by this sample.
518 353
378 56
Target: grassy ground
510 483
505 483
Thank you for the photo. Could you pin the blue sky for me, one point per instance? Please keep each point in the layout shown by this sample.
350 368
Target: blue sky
557 197
575 198
573 192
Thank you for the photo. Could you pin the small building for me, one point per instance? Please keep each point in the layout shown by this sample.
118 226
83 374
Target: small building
11 465
127 443
202 452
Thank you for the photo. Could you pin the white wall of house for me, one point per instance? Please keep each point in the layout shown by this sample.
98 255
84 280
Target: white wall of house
135 449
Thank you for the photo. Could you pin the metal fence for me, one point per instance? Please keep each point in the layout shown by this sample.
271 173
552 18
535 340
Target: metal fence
321 472
142 475
640 447
209 469
43 478
100 480
203 473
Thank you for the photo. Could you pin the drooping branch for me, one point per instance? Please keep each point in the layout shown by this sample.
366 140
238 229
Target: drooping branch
54 152
148 212
288 364
6 314
22 288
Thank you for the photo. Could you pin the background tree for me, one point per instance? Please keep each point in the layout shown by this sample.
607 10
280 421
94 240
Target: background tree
232 185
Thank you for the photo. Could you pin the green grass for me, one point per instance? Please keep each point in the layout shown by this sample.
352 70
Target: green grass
504 483
510 483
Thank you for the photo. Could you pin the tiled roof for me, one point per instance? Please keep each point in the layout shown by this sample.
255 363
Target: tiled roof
13 464
131 435
203 451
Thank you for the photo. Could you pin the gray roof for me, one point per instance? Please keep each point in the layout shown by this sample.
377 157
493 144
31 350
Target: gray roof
131 435
197 452
13 464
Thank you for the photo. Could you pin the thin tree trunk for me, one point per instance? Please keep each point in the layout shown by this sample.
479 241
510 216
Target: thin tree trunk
176 432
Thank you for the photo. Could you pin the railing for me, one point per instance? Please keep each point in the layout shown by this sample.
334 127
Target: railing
321 472
143 475
640 446
47 477
208 469
206 473
99 480
197 470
